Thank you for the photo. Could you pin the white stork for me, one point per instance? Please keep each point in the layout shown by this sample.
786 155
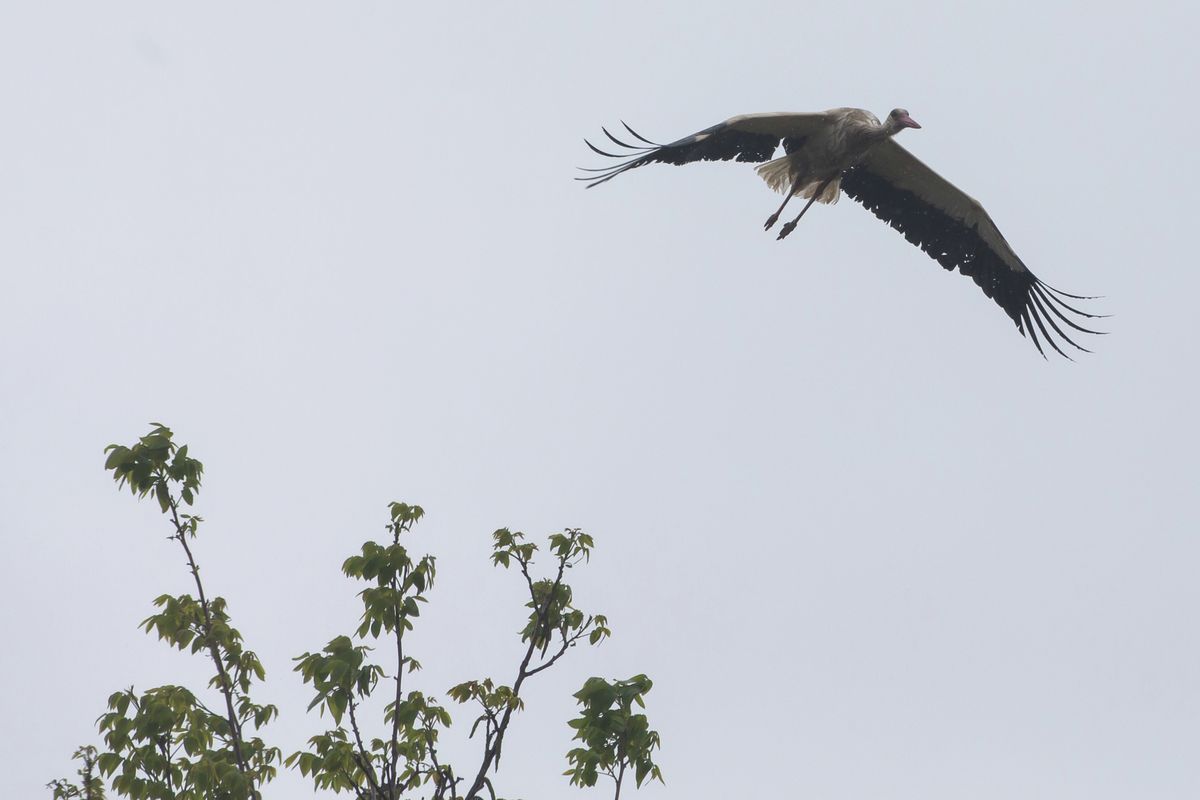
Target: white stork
849 150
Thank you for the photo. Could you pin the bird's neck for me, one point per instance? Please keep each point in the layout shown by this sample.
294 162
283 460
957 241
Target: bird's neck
888 129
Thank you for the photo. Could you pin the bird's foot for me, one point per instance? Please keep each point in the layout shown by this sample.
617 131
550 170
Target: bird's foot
771 220
786 229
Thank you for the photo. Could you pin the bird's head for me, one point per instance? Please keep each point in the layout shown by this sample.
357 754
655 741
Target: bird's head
899 119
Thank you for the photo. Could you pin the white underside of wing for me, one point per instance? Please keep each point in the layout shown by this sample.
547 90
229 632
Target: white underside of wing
905 171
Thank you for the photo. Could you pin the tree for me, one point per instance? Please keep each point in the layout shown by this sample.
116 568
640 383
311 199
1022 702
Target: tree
90 787
614 738
166 742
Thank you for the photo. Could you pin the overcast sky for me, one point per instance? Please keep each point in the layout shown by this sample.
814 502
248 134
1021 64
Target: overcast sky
865 540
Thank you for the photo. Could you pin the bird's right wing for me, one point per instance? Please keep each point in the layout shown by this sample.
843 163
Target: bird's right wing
955 230
750 137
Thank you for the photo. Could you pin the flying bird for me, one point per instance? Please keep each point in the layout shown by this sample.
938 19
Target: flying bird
849 150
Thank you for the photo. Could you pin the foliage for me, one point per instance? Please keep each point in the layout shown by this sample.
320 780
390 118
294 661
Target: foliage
90 786
613 737
553 621
166 742
406 756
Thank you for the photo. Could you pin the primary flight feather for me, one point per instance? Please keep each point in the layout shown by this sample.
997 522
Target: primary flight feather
849 150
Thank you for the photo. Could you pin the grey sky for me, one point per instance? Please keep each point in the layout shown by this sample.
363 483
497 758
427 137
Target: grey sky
867 543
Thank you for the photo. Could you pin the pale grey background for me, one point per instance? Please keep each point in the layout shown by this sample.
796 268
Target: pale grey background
866 541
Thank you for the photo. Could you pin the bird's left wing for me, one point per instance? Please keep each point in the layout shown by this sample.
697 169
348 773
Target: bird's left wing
749 137
956 231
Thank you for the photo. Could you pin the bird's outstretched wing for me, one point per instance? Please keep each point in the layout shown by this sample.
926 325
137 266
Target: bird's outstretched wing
750 137
953 228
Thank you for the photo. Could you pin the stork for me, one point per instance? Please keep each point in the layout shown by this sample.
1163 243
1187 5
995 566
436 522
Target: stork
849 150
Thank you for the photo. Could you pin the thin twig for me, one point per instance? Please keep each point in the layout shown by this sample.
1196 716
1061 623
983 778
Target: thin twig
491 753
395 754
363 759
165 750
226 683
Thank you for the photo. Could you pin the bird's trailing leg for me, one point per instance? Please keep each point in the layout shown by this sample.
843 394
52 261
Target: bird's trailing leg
791 226
771 220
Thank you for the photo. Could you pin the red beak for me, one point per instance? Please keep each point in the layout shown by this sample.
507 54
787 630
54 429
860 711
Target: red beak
909 122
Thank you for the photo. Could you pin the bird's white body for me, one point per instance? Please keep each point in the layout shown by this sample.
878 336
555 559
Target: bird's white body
825 154
851 132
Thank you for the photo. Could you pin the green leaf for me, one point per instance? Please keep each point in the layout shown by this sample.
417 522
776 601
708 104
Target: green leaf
117 456
164 495
337 706
108 762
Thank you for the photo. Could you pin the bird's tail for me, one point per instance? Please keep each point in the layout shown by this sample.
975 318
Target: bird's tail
781 175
